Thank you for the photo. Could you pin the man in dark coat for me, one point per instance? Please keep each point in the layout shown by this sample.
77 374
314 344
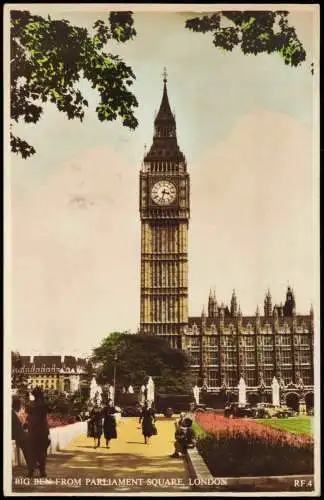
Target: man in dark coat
38 431
18 434
185 438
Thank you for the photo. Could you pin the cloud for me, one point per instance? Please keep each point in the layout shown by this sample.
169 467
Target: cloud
76 253
252 207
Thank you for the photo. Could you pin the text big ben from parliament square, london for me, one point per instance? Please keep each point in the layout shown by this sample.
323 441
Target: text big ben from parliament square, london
164 211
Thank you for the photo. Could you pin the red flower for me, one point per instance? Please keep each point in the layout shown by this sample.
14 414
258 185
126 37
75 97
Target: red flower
223 428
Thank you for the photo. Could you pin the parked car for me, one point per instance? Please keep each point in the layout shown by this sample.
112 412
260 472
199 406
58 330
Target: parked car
267 410
200 408
131 411
238 410
285 412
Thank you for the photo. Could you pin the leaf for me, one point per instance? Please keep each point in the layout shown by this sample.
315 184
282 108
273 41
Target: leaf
253 32
52 56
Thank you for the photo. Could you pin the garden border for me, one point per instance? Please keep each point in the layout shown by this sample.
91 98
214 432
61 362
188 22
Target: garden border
205 481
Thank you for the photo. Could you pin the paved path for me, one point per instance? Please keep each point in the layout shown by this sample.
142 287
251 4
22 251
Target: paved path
128 465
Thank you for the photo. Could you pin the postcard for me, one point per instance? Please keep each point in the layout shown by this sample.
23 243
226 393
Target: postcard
162 325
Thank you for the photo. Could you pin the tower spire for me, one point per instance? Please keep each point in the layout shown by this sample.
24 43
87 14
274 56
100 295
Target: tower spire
165 75
165 114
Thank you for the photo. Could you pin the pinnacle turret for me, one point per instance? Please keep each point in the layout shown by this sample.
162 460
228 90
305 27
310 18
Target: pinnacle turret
233 304
212 304
268 304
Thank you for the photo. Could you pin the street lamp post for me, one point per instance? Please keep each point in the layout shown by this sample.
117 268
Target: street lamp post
115 360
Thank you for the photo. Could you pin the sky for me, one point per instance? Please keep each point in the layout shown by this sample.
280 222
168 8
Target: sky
246 127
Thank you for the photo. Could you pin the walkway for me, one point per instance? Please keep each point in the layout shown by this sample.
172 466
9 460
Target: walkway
128 465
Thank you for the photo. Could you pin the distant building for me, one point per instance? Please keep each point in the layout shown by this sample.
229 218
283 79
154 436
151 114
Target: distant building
53 373
225 345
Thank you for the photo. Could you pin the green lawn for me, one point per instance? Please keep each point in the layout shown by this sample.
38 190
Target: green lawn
297 425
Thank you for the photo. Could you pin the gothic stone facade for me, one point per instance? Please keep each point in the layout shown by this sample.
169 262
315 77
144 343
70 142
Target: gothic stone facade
224 345
53 373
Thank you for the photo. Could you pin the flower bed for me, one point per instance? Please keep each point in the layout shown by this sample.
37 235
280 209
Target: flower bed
59 421
53 420
247 448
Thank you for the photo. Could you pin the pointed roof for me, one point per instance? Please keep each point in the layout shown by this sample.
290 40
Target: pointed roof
165 144
165 113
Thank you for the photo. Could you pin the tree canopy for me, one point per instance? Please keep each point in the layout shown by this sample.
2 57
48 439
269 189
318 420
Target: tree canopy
48 59
138 356
253 32
18 379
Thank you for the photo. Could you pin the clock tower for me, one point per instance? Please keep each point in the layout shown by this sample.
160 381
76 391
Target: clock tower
164 211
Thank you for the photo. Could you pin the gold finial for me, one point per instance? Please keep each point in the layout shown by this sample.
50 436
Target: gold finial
165 75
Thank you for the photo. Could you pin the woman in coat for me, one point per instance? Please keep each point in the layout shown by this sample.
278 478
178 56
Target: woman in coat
95 425
109 423
148 422
38 432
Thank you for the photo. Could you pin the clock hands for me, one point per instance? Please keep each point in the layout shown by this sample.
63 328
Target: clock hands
164 192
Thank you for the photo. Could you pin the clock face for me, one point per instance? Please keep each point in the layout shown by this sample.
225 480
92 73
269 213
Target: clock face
163 192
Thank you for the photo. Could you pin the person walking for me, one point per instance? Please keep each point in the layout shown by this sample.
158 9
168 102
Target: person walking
95 424
147 419
109 422
38 432
19 435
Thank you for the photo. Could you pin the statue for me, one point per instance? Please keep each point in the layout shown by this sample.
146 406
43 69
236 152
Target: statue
196 394
262 388
93 389
242 391
111 393
150 391
275 392
130 390
95 392
142 395
99 396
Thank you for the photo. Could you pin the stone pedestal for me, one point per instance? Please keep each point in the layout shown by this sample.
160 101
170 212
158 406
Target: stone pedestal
302 407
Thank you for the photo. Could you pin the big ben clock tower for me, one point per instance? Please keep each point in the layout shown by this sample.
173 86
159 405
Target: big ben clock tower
164 210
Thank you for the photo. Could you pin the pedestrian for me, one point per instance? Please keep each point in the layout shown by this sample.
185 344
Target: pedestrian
19 435
38 432
109 423
147 419
185 438
95 424
179 422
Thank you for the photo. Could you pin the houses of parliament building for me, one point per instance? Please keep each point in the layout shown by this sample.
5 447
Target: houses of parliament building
224 345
